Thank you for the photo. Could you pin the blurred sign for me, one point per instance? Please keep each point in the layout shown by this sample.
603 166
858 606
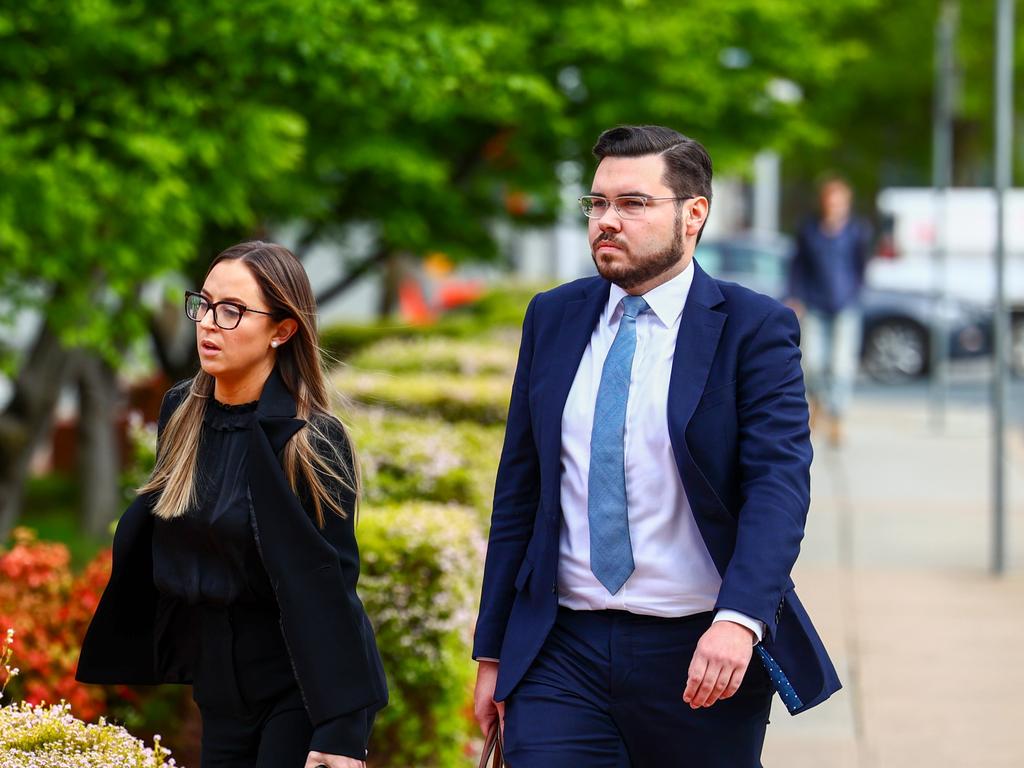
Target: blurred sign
969 215
434 288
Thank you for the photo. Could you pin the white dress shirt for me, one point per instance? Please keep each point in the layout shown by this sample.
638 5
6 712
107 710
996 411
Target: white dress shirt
674 574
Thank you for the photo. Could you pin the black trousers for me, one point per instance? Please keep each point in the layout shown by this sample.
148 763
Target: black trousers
275 735
252 711
606 691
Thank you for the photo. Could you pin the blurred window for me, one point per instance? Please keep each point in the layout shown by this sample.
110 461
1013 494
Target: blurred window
710 258
761 263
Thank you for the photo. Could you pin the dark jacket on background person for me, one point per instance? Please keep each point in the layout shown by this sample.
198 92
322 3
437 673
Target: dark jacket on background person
827 269
139 636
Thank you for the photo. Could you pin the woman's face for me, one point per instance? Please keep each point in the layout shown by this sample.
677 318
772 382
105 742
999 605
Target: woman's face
232 354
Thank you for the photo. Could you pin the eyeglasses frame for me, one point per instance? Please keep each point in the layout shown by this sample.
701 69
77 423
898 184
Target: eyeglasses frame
618 212
212 307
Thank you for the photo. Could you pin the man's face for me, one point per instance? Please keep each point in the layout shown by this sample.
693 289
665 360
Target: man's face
635 252
835 200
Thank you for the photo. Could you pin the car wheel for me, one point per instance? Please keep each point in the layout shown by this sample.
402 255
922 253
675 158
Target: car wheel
896 350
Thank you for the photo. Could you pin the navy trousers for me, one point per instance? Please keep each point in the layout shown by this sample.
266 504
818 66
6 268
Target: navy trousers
606 691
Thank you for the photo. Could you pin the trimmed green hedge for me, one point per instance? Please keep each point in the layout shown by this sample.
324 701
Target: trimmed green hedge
453 397
406 458
342 340
421 565
494 355
501 307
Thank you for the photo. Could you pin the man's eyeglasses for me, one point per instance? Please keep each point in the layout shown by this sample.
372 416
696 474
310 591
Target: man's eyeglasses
226 314
627 206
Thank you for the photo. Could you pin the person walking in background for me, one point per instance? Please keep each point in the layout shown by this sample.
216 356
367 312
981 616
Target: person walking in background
637 608
235 568
825 283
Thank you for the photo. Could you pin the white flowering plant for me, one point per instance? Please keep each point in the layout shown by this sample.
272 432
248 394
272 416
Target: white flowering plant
49 736
142 453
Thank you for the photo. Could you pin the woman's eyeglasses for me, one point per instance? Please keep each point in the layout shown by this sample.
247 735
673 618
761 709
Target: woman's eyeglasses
226 314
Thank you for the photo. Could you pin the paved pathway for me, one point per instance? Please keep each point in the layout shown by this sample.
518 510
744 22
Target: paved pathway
894 571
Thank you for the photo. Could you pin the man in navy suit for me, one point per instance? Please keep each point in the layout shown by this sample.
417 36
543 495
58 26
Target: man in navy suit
637 606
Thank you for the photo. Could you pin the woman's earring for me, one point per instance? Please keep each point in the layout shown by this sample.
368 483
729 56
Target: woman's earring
274 344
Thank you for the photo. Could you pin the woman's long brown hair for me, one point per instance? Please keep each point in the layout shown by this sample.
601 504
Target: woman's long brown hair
285 288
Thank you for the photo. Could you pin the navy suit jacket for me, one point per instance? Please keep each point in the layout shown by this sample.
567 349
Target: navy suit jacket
737 420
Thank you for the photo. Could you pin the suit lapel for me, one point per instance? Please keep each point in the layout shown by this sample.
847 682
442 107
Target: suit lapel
577 325
700 328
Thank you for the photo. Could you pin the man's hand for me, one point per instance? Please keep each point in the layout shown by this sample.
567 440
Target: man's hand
332 761
718 664
484 706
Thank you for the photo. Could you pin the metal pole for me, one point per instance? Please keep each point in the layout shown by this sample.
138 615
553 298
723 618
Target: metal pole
942 177
1000 326
766 191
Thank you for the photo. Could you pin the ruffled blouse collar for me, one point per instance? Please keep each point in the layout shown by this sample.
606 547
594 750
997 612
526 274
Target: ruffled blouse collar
225 416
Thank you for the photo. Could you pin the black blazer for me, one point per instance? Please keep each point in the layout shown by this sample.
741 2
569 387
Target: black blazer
134 639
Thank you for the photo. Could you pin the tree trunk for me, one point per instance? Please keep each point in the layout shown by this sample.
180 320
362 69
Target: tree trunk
388 301
99 455
27 418
173 339
353 275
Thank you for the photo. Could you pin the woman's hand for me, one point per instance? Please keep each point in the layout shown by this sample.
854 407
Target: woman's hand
316 759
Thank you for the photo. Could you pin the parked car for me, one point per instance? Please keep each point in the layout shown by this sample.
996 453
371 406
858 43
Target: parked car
969 277
898 324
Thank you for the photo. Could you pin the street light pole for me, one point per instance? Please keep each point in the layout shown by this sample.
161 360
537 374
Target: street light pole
1000 326
942 178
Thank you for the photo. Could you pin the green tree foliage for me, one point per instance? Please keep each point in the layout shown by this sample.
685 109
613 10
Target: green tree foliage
124 129
878 109
135 134
138 138
131 132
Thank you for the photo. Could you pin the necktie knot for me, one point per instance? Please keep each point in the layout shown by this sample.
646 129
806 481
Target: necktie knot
633 305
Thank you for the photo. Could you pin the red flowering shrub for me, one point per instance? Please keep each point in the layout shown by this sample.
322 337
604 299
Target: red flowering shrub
50 609
36 598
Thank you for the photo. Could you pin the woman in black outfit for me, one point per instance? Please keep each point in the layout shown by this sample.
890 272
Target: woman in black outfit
235 569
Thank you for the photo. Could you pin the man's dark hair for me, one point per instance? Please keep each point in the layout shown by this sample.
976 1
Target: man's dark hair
687 163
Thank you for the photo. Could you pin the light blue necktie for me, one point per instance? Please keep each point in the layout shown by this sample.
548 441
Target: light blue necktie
611 555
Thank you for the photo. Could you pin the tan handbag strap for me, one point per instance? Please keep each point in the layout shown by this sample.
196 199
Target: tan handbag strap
493 745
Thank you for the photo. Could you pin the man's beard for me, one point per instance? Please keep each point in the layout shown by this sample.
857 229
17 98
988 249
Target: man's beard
644 268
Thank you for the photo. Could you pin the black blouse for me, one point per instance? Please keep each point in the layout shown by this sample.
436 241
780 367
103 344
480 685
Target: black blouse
208 556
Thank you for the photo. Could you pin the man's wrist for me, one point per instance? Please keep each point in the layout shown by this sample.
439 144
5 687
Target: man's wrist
755 627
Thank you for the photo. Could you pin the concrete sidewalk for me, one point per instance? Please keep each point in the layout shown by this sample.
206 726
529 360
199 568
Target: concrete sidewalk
894 571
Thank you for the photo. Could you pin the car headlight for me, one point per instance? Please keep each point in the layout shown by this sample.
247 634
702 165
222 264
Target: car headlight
958 311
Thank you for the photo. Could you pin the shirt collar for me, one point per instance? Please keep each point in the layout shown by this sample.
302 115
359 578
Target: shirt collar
666 300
